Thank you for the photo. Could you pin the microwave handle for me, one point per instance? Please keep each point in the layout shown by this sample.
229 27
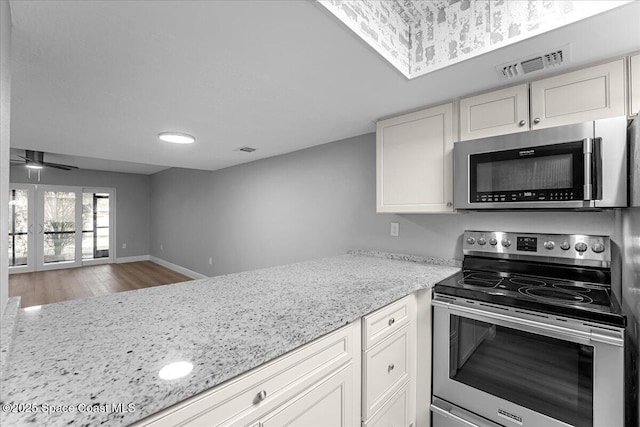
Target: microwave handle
592 168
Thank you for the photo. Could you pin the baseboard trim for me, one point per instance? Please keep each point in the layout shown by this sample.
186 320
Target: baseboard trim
137 258
178 268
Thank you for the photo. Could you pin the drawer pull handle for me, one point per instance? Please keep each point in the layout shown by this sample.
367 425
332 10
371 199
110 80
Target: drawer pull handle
391 367
522 123
392 321
536 121
260 397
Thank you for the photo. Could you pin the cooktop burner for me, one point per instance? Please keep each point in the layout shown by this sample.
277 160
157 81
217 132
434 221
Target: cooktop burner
556 295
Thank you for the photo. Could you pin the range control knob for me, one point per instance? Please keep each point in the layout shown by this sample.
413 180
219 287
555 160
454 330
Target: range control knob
471 240
482 241
493 241
549 245
581 247
597 247
565 246
506 243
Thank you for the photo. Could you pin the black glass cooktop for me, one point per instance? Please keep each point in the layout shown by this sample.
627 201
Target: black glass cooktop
555 295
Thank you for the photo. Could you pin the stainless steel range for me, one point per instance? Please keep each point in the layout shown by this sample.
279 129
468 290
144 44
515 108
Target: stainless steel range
529 334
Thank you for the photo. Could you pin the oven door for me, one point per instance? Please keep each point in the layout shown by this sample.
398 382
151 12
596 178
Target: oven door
521 371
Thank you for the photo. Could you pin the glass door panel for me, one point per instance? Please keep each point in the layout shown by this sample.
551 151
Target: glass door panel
20 228
96 224
59 227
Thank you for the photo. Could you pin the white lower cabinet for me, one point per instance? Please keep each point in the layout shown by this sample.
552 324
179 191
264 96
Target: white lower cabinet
362 374
389 366
322 377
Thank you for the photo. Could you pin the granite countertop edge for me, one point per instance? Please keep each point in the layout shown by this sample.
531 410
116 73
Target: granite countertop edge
8 330
365 281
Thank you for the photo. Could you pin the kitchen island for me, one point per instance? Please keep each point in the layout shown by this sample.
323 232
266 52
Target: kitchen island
103 351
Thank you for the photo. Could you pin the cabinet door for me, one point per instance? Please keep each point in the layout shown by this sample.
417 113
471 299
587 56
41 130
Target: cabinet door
329 403
495 113
414 167
634 84
583 95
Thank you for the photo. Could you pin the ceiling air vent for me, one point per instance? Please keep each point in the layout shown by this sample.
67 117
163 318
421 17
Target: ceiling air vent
532 64
246 149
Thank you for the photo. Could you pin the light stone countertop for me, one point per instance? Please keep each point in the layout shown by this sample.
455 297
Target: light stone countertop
109 349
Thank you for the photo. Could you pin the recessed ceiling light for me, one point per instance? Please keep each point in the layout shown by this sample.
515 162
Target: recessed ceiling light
177 137
175 370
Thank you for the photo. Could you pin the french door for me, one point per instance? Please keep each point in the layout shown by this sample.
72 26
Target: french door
52 227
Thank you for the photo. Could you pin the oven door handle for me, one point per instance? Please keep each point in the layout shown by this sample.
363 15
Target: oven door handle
438 407
531 325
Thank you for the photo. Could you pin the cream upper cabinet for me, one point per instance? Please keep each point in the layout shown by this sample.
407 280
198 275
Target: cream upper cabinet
589 94
495 113
414 162
634 84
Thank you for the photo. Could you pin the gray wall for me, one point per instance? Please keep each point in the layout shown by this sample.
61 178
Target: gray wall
132 201
312 203
5 110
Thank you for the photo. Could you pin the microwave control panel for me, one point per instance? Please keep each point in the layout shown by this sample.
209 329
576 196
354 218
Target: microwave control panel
562 194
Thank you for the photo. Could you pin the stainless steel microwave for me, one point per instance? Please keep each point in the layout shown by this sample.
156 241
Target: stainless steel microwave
575 166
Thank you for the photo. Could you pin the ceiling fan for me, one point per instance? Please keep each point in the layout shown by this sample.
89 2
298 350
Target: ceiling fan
35 160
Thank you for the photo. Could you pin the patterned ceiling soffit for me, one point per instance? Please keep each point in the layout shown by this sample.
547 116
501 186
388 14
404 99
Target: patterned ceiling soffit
421 36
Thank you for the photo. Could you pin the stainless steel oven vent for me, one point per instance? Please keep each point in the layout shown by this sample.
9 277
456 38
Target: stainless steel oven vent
518 68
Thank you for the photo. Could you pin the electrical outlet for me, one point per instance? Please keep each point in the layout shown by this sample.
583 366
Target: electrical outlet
395 229
124 246
210 261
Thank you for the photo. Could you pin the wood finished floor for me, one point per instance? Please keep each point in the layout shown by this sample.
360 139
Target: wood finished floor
46 287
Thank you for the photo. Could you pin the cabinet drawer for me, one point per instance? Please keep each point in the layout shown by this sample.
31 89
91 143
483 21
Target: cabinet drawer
384 322
280 379
394 413
386 368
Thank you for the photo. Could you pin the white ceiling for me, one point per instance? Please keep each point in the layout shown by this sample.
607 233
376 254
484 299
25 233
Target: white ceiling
101 79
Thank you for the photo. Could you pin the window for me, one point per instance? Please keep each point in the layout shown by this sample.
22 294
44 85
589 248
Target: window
95 225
